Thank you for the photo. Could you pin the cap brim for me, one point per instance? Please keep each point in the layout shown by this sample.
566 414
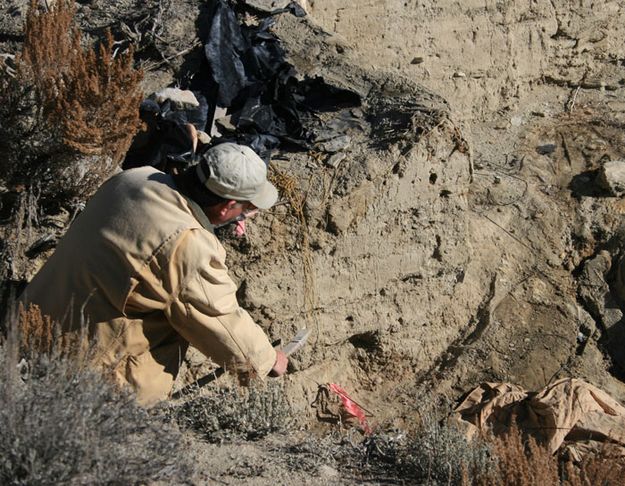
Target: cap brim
265 197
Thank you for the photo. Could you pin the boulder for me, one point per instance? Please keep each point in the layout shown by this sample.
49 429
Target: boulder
611 177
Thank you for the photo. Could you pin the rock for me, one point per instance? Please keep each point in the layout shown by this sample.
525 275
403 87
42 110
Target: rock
328 472
336 144
339 220
595 292
612 316
546 149
225 125
593 84
267 5
338 41
417 60
336 159
611 177
203 137
44 243
180 99
194 357
459 74
270 6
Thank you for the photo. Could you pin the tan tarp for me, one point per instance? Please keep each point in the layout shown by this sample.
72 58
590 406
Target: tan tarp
568 413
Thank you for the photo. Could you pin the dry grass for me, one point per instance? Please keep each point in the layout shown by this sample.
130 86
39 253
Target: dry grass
604 468
39 335
36 332
289 188
19 234
520 462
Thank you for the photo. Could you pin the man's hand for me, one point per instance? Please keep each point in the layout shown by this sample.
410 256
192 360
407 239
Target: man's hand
279 367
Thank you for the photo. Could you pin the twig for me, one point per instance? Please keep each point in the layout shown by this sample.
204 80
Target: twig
505 231
520 179
158 18
174 56
3 64
567 153
217 480
571 104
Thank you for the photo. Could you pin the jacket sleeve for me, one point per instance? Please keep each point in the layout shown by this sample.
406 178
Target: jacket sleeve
204 308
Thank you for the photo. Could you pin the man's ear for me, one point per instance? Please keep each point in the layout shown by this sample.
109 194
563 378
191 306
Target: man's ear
227 206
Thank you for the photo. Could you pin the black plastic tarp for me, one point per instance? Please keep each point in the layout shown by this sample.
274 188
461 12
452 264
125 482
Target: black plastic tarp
268 105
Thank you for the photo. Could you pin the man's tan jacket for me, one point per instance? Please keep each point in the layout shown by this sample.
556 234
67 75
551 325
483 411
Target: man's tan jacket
143 269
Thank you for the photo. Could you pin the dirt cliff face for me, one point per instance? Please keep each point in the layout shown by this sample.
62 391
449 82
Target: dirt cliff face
484 56
428 276
458 236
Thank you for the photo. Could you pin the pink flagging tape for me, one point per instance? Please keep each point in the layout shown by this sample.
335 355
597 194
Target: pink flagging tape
351 407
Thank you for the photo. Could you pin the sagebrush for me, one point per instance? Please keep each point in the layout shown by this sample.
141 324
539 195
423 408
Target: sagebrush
434 454
234 412
64 422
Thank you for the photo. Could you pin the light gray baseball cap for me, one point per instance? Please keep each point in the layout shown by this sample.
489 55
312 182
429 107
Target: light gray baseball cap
236 172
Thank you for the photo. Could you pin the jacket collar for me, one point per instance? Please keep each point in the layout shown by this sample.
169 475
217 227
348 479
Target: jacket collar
200 215
195 208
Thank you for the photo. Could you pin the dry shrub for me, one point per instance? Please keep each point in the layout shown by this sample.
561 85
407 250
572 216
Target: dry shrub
18 234
604 468
522 461
435 454
40 336
234 412
439 454
69 113
36 332
94 97
63 423
67 117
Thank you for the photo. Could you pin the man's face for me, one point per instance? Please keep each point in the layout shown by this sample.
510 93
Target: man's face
236 213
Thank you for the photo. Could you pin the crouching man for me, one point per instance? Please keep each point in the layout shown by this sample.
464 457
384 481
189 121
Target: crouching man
143 269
